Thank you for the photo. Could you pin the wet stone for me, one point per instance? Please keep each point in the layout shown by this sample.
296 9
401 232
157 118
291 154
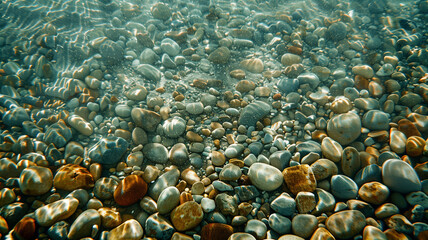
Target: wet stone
307 147
156 152
7 196
174 127
195 108
399 176
374 192
371 232
279 223
82 226
123 231
56 211
284 205
35 180
130 190
305 202
300 178
230 172
108 150
138 93
241 236
265 177
246 193
336 31
59 230
58 134
187 216
70 177
158 227
400 223
234 150
15 117
343 187
228 205
325 203
149 72
109 217
344 128
376 120
220 56
253 112
105 187
178 155
368 174
304 225
168 200
216 231
346 224
331 149
363 70
167 179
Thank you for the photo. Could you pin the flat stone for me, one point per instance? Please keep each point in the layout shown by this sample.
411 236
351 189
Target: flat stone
195 108
344 128
386 210
241 236
82 226
343 187
304 225
138 93
289 59
265 177
35 180
300 178
376 120
167 179
149 72
123 110
130 190
279 223
371 232
346 224
230 172
350 163
363 70
253 112
374 192
174 127
254 65
187 216
146 119
130 229
284 205
108 150
399 176
170 47
245 86
70 177
158 227
156 152
53 212
168 200
220 56
331 149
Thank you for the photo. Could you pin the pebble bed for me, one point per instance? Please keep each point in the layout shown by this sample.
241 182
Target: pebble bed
213 120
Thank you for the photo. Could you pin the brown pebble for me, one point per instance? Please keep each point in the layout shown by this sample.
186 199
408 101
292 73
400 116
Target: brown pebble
216 231
190 176
300 179
408 128
70 177
130 190
185 197
187 216
415 146
25 229
237 74
200 83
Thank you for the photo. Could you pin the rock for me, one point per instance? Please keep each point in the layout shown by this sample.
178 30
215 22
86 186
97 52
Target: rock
148 56
343 187
58 134
336 31
369 173
371 232
376 120
415 146
174 127
122 110
139 136
104 188
246 192
217 158
346 224
53 212
374 192
230 172
80 125
237 74
241 236
35 180
156 152
220 56
195 108
108 150
309 78
59 230
322 233
245 86
168 199
161 11
135 159
265 177
7 196
289 59
130 190
410 99
109 217
344 128
305 202
253 112
82 226
15 117
130 229
187 216
149 72
304 225
234 150
70 177
323 168
386 210
350 162
12 214
300 178
331 149
256 228
207 204
26 228
8 169
138 93
216 231
399 176
158 227
254 65
279 223
326 202
400 223
284 205
178 155
228 205
111 52
146 119
363 70
304 148
408 128
167 179
288 85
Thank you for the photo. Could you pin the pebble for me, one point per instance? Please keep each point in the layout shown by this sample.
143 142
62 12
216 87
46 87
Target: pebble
230 172
246 192
346 224
322 233
289 59
178 155
217 158
304 225
138 93
331 149
371 232
336 31
108 150
399 223
35 180
284 205
216 231
323 168
104 188
195 108
25 229
53 212
130 190
208 205
15 117
253 112
156 152
245 86
374 192
256 228
58 134
363 70
350 162
400 177
279 223
343 187
70 177
122 231
305 202
82 226
149 72
187 216
254 65
417 198
241 236
146 119
109 217
220 56
344 128
165 180
325 203
7 196
158 227
228 205
299 178
415 146
265 177
168 200
376 120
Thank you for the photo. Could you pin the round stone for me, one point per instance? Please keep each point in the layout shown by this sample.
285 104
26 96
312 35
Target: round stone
331 149
363 70
279 223
138 93
178 155
122 110
256 228
195 108
35 180
230 172
341 105
376 120
82 226
336 31
241 236
346 224
216 231
284 205
371 232
109 217
156 152
131 229
149 72
289 59
220 56
344 128
265 177
374 192
187 216
343 187
254 65
53 212
26 228
70 177
161 11
399 176
174 127
135 159
217 158
168 200
7 196
104 188
130 190
244 86
415 146
170 47
304 225
323 168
